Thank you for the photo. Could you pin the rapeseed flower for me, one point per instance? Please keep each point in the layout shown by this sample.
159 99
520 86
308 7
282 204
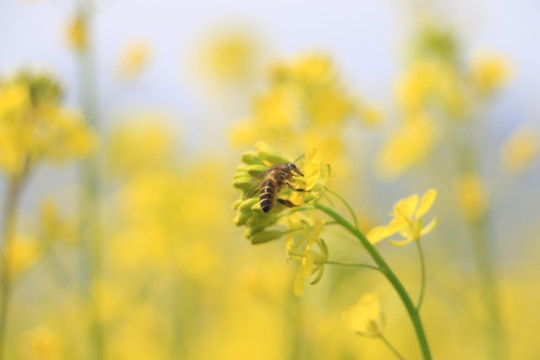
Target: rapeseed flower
489 72
76 33
472 196
134 58
248 178
407 220
365 317
521 150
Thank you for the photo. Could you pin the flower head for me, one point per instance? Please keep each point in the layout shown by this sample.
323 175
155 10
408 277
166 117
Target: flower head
252 173
407 220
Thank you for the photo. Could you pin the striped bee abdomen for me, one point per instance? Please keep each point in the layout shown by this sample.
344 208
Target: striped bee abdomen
267 194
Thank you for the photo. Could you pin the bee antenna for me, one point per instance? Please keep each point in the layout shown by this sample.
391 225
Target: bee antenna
301 156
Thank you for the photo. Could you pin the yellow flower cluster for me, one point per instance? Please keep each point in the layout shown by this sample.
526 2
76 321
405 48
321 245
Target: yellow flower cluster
305 105
248 177
365 317
35 127
436 87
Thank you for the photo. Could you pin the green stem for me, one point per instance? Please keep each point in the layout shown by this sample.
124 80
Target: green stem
388 273
422 274
393 349
351 211
8 232
352 265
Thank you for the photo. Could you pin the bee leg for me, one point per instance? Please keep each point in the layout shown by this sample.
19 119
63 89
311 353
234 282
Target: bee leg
285 202
295 189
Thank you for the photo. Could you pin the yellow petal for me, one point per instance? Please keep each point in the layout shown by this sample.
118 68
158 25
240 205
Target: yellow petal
429 227
317 229
299 283
401 242
307 264
405 207
379 233
312 167
427 201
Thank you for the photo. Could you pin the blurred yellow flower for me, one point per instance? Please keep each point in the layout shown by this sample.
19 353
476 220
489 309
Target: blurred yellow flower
230 57
76 33
134 59
20 254
53 227
41 343
407 220
521 150
472 196
34 127
408 146
489 72
365 317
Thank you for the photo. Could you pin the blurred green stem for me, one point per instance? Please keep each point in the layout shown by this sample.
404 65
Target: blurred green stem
483 254
8 232
388 273
90 232
422 274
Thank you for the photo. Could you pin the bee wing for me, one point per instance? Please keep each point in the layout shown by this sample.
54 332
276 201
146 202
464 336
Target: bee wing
257 180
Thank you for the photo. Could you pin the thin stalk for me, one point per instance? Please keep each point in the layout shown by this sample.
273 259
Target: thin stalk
351 211
8 231
422 274
339 263
393 349
389 274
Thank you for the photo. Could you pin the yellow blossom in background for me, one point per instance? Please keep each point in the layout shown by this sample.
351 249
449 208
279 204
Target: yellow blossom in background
230 57
489 72
53 227
406 146
21 254
76 33
133 59
312 167
365 317
138 144
472 196
34 127
407 220
521 150
41 343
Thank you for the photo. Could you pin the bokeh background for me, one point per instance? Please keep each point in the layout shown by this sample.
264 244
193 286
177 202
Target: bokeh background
121 126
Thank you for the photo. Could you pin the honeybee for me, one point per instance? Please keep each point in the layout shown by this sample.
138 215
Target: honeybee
270 183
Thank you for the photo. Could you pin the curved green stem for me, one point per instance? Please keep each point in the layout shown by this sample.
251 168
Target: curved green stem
422 274
352 265
393 349
389 274
351 211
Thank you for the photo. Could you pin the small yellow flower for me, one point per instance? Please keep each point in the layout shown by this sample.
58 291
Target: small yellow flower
408 146
472 196
21 254
41 343
133 59
521 150
310 261
489 73
76 33
365 317
407 220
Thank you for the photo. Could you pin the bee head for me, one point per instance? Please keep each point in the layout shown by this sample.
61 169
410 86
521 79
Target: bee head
294 169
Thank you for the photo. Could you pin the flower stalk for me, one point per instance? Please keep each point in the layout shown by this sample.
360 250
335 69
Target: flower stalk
388 273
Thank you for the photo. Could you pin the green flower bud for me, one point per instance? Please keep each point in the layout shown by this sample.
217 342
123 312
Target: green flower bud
251 158
257 169
267 153
266 236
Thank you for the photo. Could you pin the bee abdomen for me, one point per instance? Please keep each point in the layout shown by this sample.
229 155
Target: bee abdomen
267 195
